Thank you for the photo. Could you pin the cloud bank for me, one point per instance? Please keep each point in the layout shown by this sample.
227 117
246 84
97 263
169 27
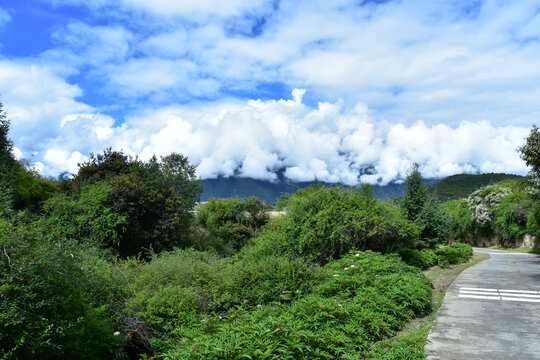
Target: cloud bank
331 142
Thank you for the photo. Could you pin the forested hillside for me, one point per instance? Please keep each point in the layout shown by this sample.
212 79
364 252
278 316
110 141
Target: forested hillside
461 185
270 192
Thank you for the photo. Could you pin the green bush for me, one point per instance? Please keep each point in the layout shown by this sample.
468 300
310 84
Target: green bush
360 300
31 189
86 215
454 253
421 259
510 216
461 215
128 205
52 299
330 221
176 291
234 220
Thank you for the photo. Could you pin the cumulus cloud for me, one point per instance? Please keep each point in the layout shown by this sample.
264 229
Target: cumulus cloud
331 142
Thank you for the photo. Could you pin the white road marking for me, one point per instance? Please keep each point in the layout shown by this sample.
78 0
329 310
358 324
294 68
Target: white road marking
521 299
519 291
478 292
468 288
532 296
520 295
480 297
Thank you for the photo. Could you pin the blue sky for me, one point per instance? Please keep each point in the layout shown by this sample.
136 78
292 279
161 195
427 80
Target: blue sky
322 89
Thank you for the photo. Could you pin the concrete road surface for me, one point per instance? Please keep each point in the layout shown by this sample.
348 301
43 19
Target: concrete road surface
491 311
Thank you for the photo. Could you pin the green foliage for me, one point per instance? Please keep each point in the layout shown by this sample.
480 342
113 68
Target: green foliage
421 259
214 284
31 189
414 197
461 215
436 223
6 193
49 303
234 220
424 210
330 221
362 299
126 204
530 152
86 214
510 216
462 185
454 253
6 145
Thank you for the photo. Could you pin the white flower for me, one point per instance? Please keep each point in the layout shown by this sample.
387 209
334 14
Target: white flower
357 255
346 269
117 333
353 265
336 275
259 305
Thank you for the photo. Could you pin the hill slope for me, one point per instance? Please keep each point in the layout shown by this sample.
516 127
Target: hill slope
461 185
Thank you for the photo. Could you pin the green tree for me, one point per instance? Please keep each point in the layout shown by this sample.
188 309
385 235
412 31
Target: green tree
6 197
425 211
414 197
141 205
31 189
6 145
530 153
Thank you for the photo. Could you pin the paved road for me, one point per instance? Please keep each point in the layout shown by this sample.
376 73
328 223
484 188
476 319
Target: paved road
491 311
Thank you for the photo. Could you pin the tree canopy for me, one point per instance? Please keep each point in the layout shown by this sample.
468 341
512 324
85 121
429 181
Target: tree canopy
126 204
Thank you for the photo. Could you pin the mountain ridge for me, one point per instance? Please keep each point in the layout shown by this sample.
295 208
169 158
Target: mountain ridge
451 187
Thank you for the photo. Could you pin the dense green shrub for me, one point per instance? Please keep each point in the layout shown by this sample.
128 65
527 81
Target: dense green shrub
462 223
510 216
30 188
128 205
506 210
86 214
454 253
176 290
330 221
234 220
421 259
360 300
54 302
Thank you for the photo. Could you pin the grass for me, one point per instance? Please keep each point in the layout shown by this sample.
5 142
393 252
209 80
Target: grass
522 249
409 343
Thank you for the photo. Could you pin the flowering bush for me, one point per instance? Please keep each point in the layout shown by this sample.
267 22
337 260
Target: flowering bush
485 199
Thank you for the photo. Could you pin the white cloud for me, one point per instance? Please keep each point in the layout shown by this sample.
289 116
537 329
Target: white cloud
4 17
94 45
328 143
191 7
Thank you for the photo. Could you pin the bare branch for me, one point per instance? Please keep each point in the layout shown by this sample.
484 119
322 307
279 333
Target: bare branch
5 253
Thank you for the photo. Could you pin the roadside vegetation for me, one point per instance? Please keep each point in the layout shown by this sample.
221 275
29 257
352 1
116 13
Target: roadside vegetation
114 263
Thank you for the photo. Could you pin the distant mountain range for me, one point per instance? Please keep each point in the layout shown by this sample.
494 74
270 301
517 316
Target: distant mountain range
452 187
271 191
